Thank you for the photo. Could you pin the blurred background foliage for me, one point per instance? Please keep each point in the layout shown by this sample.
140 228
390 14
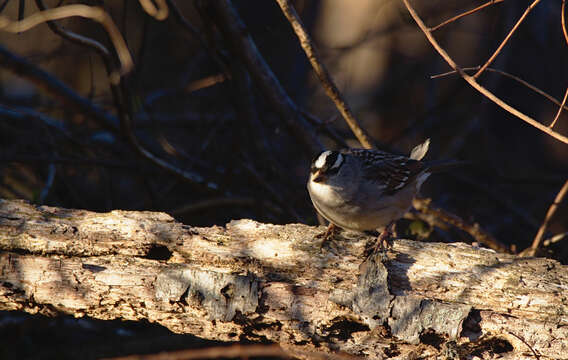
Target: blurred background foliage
193 104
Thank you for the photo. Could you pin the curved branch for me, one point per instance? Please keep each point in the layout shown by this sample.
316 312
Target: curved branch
549 214
90 12
504 42
469 12
99 48
473 83
510 76
55 87
74 37
321 71
160 13
232 27
563 21
559 110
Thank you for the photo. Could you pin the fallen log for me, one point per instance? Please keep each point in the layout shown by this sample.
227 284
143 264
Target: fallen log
263 282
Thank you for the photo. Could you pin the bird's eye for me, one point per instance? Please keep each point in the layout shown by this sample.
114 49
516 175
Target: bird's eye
328 162
333 162
338 161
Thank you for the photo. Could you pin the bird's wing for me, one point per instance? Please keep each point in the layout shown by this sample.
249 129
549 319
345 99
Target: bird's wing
394 172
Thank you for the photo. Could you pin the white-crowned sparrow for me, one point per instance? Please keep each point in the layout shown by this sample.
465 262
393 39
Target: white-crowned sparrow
361 190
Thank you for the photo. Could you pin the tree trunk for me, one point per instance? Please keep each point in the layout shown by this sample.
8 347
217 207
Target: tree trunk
261 282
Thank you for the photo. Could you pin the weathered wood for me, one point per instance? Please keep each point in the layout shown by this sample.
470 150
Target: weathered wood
272 282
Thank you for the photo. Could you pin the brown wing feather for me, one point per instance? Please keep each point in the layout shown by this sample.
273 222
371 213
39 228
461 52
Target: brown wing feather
394 171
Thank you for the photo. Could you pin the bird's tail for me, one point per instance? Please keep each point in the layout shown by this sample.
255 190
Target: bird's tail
420 151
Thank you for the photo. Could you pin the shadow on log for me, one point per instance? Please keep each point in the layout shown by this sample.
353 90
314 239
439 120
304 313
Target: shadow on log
261 282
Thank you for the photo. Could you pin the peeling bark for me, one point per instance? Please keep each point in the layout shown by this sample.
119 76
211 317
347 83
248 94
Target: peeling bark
273 282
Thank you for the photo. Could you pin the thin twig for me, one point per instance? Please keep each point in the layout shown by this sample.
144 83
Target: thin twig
74 37
554 239
285 204
563 21
160 13
504 42
99 48
182 20
54 87
78 162
24 114
187 26
205 82
510 76
242 45
118 96
21 9
497 197
559 110
3 6
469 12
524 342
323 74
480 235
551 210
319 124
184 174
48 183
90 12
244 103
189 176
473 83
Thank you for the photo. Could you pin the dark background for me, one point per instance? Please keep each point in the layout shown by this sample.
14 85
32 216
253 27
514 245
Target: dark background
229 133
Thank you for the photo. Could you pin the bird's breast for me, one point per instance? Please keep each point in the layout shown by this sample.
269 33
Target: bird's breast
325 194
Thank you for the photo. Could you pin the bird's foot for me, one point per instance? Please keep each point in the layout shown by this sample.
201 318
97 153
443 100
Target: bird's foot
327 235
384 239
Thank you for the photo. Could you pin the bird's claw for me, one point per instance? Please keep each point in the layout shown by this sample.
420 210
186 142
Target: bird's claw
327 235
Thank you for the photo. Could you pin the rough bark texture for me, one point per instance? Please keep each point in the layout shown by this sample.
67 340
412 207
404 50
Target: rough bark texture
270 282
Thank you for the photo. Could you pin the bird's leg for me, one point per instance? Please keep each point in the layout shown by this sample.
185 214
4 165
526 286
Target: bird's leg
328 234
383 242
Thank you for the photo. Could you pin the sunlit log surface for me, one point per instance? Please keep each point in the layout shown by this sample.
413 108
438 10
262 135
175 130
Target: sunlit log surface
260 282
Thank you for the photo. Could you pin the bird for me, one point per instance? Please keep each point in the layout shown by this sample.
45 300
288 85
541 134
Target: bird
366 190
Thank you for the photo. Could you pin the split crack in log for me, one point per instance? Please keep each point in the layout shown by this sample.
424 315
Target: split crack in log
273 282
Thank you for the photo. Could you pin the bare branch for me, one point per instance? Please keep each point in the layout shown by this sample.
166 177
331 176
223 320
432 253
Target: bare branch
559 110
504 42
321 71
160 13
77 38
480 235
182 20
563 21
90 12
469 12
55 88
48 183
231 26
549 214
319 124
471 80
3 6
510 76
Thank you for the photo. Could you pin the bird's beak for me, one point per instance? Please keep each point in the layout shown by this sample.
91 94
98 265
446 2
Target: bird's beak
318 176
